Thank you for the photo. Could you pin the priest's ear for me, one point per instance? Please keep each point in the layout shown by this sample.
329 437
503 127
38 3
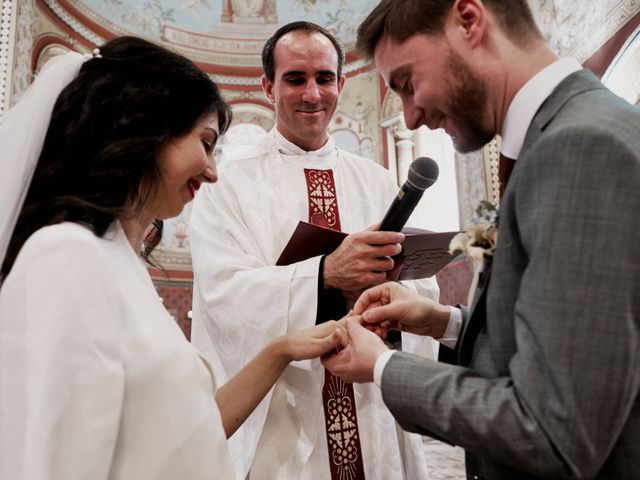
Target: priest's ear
341 82
267 88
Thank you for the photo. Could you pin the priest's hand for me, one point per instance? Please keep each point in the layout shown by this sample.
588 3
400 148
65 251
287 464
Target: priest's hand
392 306
362 260
356 362
390 276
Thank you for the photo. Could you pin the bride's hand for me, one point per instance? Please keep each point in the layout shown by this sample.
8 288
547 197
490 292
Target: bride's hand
314 341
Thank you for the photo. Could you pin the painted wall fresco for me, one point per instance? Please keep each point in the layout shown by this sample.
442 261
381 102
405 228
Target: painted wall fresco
571 31
150 17
579 32
355 125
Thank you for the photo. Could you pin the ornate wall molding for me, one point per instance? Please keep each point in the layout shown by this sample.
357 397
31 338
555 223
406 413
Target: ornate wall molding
173 259
16 43
618 18
253 113
471 179
74 24
356 65
623 74
7 29
27 23
491 154
391 105
608 54
580 31
238 81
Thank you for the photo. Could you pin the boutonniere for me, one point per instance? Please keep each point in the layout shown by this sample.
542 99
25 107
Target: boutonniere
478 242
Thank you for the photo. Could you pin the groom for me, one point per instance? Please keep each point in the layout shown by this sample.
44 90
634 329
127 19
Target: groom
548 377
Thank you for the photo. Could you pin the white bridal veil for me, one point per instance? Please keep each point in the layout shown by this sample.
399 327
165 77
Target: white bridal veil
22 133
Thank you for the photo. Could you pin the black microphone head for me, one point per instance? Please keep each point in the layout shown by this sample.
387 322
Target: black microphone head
423 172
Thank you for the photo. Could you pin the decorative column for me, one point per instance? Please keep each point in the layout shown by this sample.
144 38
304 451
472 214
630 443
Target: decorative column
404 148
16 44
7 36
492 160
27 23
421 139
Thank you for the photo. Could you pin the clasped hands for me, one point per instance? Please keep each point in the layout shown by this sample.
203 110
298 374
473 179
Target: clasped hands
362 260
378 309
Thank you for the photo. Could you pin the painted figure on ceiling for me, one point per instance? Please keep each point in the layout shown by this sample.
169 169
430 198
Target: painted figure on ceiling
238 11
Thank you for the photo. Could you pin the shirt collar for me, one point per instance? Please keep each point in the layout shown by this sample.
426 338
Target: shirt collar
289 148
528 100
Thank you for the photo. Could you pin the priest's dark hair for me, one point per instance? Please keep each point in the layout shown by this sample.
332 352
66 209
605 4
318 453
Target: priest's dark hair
400 20
268 62
98 162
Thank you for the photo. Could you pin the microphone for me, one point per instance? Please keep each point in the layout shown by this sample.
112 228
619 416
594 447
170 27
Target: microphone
423 173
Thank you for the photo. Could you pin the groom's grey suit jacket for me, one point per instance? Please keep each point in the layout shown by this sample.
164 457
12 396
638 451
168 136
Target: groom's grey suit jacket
548 370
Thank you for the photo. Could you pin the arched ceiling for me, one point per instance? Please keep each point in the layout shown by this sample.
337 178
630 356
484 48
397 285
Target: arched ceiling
224 36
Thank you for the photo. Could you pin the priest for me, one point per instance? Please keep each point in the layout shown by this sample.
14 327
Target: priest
312 425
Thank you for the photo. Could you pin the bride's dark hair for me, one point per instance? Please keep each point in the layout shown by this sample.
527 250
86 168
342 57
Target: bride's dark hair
98 161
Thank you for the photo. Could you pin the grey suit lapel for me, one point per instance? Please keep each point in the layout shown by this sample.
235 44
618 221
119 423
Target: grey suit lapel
575 84
475 320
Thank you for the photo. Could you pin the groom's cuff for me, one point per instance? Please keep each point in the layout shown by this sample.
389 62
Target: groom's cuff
381 362
451 334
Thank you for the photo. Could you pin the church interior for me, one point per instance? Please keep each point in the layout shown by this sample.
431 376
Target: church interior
225 38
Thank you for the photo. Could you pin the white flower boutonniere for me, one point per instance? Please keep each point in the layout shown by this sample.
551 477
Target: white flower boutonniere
478 242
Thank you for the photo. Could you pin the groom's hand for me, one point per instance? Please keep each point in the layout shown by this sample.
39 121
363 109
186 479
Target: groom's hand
356 362
392 306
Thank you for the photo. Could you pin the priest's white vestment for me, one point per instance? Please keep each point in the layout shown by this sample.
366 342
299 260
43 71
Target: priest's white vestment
97 380
239 227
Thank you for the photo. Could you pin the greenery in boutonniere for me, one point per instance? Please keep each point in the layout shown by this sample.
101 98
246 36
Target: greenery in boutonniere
479 240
